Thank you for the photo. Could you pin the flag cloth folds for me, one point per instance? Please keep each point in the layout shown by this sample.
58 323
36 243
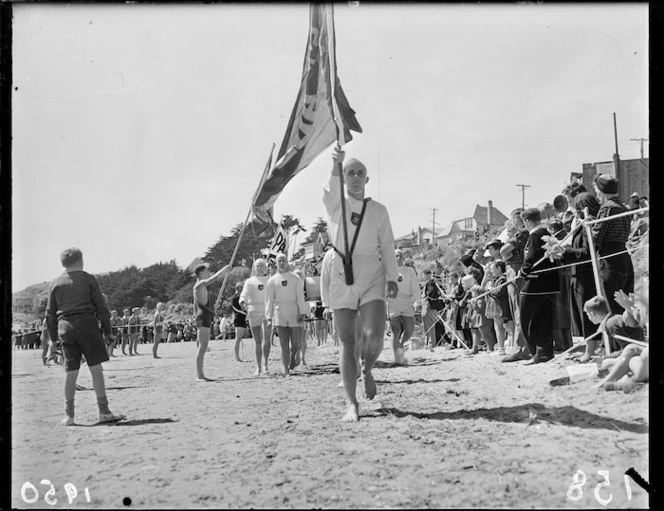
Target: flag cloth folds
320 117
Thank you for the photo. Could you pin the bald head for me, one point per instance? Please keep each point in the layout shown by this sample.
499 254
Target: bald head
355 165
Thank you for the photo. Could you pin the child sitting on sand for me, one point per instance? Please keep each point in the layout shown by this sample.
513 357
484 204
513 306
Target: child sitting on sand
597 310
630 366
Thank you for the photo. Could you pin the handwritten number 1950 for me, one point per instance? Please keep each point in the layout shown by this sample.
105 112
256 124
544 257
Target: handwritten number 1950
30 494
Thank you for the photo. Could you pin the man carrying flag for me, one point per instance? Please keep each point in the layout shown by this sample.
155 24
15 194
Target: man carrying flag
321 116
373 267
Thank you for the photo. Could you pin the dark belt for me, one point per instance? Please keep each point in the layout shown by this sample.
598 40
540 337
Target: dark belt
77 315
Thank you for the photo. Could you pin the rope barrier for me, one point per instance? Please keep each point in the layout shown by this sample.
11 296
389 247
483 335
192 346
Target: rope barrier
631 341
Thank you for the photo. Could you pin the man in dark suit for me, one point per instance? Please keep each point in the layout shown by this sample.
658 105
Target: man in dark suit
539 290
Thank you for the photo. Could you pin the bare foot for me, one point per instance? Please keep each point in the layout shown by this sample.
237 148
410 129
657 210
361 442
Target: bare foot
631 386
340 385
352 414
203 378
369 386
257 372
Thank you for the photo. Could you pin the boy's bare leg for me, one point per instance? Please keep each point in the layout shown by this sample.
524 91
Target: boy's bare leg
266 344
296 340
373 323
408 323
202 338
257 334
346 324
155 346
284 340
640 366
395 324
70 392
621 367
111 348
239 335
302 345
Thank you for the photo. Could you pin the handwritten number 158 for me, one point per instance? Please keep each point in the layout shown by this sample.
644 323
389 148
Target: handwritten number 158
579 479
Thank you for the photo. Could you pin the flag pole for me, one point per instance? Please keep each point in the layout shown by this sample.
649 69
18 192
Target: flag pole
348 261
217 304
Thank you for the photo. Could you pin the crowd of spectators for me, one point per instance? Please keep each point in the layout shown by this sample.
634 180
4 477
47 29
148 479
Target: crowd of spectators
525 294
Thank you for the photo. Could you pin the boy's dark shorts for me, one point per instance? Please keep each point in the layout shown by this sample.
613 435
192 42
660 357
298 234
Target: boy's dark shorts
81 336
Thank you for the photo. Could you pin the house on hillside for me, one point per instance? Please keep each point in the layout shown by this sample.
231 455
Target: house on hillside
482 220
29 299
421 236
314 250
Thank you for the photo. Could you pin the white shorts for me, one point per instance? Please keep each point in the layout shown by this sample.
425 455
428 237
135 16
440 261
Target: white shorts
369 281
286 314
401 306
256 317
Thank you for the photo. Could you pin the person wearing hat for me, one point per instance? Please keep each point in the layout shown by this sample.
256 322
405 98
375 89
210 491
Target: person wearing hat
582 280
512 253
204 312
616 271
539 290
432 305
374 268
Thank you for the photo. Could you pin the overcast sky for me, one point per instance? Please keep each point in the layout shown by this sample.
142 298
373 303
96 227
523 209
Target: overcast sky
140 131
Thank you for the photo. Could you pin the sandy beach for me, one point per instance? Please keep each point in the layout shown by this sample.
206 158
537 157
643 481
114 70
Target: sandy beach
447 431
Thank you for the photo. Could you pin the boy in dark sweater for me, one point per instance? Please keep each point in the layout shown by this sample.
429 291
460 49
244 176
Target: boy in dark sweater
75 305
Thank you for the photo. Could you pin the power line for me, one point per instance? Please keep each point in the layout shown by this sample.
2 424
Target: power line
433 224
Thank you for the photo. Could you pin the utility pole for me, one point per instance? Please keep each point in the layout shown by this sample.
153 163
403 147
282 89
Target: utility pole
378 172
642 140
616 156
523 195
433 225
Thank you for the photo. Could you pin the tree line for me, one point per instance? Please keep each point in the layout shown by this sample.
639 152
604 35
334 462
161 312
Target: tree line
169 283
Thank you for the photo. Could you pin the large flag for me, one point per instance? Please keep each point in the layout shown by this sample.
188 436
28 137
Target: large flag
320 117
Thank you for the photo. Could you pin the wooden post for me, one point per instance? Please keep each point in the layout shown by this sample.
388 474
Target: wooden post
598 281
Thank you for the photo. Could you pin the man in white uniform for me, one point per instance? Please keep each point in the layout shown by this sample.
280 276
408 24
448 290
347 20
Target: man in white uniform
252 299
285 308
374 267
401 309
